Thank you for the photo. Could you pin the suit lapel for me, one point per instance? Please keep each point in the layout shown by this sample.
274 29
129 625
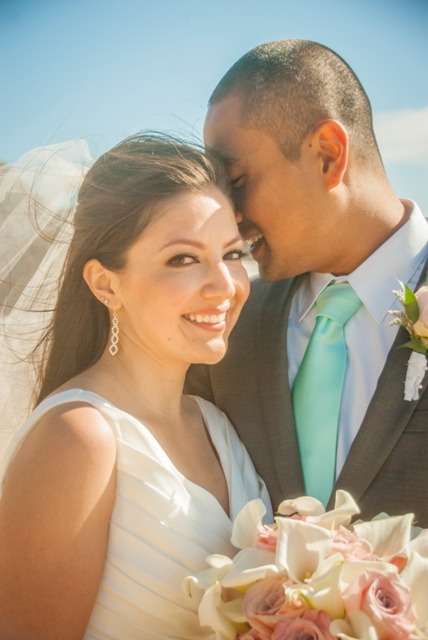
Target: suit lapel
385 420
275 392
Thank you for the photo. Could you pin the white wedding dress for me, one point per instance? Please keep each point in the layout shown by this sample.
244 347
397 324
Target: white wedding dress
162 527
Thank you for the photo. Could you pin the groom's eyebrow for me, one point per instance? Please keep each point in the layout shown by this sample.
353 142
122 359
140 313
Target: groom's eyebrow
229 161
225 157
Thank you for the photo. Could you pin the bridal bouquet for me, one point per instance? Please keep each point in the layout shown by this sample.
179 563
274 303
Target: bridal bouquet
314 576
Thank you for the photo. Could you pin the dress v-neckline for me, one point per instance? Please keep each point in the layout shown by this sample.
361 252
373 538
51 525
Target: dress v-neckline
74 395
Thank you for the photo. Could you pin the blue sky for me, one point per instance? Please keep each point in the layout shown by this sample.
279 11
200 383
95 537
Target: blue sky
103 69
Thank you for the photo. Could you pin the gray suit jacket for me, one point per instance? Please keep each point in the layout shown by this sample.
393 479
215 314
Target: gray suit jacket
387 466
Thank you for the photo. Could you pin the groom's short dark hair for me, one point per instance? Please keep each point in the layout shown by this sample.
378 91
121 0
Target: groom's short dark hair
288 87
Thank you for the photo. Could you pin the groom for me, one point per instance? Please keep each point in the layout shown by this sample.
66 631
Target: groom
294 126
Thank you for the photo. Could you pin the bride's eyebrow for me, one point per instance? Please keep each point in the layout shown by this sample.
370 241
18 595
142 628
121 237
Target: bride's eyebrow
234 240
199 245
188 241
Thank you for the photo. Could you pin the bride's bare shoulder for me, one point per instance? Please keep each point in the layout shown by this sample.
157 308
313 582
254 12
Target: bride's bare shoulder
71 435
55 508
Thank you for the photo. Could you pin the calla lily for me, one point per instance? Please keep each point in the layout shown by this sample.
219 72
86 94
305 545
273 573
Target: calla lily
250 565
326 566
197 584
420 543
246 523
388 536
415 575
303 506
313 511
300 547
218 561
322 592
234 611
210 614
357 627
345 508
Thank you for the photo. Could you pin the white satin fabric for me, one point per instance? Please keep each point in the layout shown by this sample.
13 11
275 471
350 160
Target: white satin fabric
162 527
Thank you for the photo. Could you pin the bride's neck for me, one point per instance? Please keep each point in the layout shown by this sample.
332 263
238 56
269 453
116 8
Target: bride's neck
143 387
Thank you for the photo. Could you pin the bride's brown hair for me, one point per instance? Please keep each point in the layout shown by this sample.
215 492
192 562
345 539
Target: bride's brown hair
119 196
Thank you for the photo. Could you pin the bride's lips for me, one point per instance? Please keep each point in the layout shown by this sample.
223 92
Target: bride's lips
210 319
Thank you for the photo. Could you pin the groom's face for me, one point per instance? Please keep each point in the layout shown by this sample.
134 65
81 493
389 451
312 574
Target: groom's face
274 197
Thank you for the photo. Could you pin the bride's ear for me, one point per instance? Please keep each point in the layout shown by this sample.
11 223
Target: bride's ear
102 282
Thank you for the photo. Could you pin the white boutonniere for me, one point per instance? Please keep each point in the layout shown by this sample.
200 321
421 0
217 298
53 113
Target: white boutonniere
414 319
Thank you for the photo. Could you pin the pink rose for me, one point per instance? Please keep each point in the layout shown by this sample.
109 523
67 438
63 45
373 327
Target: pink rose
385 599
266 536
307 625
263 601
349 545
421 325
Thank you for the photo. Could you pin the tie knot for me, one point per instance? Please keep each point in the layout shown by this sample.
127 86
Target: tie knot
338 302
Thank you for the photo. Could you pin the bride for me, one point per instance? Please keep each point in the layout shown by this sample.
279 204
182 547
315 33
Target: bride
117 486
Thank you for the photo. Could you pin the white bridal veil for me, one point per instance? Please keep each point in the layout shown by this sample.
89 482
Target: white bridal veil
37 200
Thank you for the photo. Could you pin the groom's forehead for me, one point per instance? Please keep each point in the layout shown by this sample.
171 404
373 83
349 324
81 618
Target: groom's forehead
222 119
226 134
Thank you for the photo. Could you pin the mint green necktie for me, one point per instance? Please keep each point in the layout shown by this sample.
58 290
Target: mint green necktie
317 389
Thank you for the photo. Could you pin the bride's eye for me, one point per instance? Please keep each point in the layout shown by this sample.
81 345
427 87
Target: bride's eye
181 260
236 254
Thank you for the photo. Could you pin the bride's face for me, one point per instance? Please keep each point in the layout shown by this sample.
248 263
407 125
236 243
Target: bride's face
184 286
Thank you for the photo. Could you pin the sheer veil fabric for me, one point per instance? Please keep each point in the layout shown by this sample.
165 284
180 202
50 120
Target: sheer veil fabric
38 194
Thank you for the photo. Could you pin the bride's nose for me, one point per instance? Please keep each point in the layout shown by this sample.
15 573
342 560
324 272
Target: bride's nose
219 282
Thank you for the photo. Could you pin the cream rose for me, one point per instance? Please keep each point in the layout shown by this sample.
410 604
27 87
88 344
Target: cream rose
421 325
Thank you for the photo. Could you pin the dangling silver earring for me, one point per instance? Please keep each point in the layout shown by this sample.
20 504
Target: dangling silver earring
114 336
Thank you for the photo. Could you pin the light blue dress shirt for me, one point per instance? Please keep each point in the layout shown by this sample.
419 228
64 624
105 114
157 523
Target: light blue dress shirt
369 335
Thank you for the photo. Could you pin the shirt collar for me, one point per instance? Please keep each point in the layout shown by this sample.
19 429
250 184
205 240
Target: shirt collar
397 259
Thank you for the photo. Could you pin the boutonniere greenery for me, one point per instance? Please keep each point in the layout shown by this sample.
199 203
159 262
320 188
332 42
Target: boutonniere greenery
414 319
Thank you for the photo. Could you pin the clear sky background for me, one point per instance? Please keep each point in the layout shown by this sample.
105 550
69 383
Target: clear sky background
103 69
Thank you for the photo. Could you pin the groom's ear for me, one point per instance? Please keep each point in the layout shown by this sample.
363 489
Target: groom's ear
102 282
331 143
